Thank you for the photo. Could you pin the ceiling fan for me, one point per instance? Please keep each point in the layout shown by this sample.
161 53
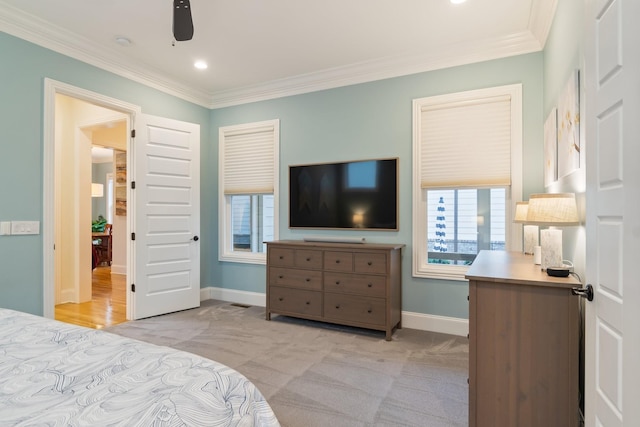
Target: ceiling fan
182 21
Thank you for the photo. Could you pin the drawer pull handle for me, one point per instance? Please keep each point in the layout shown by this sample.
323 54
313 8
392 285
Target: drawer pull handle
369 263
337 282
281 299
308 259
369 311
281 257
280 276
369 285
337 307
308 302
337 261
307 280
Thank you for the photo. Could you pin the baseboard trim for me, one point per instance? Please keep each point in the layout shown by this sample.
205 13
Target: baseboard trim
118 269
434 323
233 295
67 295
420 321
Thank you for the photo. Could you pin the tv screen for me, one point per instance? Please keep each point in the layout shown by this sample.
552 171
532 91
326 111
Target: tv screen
359 194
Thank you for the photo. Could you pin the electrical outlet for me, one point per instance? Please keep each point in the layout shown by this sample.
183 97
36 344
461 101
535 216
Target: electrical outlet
25 227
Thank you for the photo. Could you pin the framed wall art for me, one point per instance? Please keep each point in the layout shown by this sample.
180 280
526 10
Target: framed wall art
551 148
569 127
121 183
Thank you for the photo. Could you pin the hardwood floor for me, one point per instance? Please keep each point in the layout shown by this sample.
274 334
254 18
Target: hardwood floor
108 306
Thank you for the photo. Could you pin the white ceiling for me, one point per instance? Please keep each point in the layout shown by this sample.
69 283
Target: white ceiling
101 155
262 49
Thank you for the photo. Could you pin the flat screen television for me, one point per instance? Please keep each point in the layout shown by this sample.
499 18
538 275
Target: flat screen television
359 194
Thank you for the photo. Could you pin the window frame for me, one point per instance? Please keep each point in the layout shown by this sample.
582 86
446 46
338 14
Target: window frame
420 266
225 216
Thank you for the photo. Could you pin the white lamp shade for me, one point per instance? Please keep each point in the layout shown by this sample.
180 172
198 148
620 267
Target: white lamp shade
556 209
97 190
522 208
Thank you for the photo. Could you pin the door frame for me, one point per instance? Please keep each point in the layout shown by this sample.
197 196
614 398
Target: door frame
51 89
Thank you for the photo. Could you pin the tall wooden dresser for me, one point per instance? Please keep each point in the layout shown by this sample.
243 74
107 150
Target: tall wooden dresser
345 283
523 344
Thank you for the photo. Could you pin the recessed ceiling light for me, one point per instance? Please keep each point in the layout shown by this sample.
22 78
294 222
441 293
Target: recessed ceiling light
457 1
123 41
200 65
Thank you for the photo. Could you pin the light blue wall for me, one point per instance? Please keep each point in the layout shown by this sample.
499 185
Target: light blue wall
563 51
374 120
23 68
563 54
359 121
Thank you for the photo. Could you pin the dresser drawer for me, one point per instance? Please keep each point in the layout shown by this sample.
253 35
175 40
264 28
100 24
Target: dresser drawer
374 263
372 286
308 258
338 261
287 300
352 308
280 257
294 278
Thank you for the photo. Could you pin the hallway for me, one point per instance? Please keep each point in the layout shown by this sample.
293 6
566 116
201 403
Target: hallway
108 306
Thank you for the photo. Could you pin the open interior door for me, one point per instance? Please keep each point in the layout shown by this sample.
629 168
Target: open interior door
166 224
612 327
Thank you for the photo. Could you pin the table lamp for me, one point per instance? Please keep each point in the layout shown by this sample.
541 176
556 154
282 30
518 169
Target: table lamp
530 231
97 190
555 210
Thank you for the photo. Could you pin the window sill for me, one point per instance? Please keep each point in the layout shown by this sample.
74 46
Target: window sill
442 273
244 258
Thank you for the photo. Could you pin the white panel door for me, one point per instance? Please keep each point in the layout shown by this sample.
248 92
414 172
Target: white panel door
167 220
612 329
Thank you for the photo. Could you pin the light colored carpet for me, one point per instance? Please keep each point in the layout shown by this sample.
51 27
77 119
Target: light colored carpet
318 374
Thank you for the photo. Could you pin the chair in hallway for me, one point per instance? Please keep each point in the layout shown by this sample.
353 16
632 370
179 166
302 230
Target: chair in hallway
102 245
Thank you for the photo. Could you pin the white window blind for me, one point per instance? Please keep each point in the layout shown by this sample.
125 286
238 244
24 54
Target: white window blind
248 159
466 143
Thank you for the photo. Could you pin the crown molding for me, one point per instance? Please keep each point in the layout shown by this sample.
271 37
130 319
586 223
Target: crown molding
541 19
35 30
364 72
57 39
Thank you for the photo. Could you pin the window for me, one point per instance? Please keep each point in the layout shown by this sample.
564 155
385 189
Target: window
460 223
467 151
252 222
248 187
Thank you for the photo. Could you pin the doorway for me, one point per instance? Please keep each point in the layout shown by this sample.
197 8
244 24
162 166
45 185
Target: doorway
162 203
73 115
90 146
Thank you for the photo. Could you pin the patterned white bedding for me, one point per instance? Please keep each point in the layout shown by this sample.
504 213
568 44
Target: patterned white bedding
56 374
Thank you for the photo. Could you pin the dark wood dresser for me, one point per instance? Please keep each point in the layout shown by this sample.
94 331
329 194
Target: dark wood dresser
523 344
345 283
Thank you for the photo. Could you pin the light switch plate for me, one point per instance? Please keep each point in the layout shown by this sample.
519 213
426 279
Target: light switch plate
5 228
25 227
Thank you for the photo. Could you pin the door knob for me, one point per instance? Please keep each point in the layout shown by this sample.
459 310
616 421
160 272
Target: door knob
195 238
586 292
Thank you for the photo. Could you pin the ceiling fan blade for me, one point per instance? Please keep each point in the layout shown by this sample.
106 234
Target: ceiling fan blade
182 21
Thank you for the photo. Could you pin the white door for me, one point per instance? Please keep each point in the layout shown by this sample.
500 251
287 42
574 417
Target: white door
166 171
612 329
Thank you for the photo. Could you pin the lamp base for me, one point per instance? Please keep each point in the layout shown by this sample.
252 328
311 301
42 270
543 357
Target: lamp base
551 242
530 238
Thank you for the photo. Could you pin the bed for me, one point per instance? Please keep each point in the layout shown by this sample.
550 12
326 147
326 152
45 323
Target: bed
53 373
